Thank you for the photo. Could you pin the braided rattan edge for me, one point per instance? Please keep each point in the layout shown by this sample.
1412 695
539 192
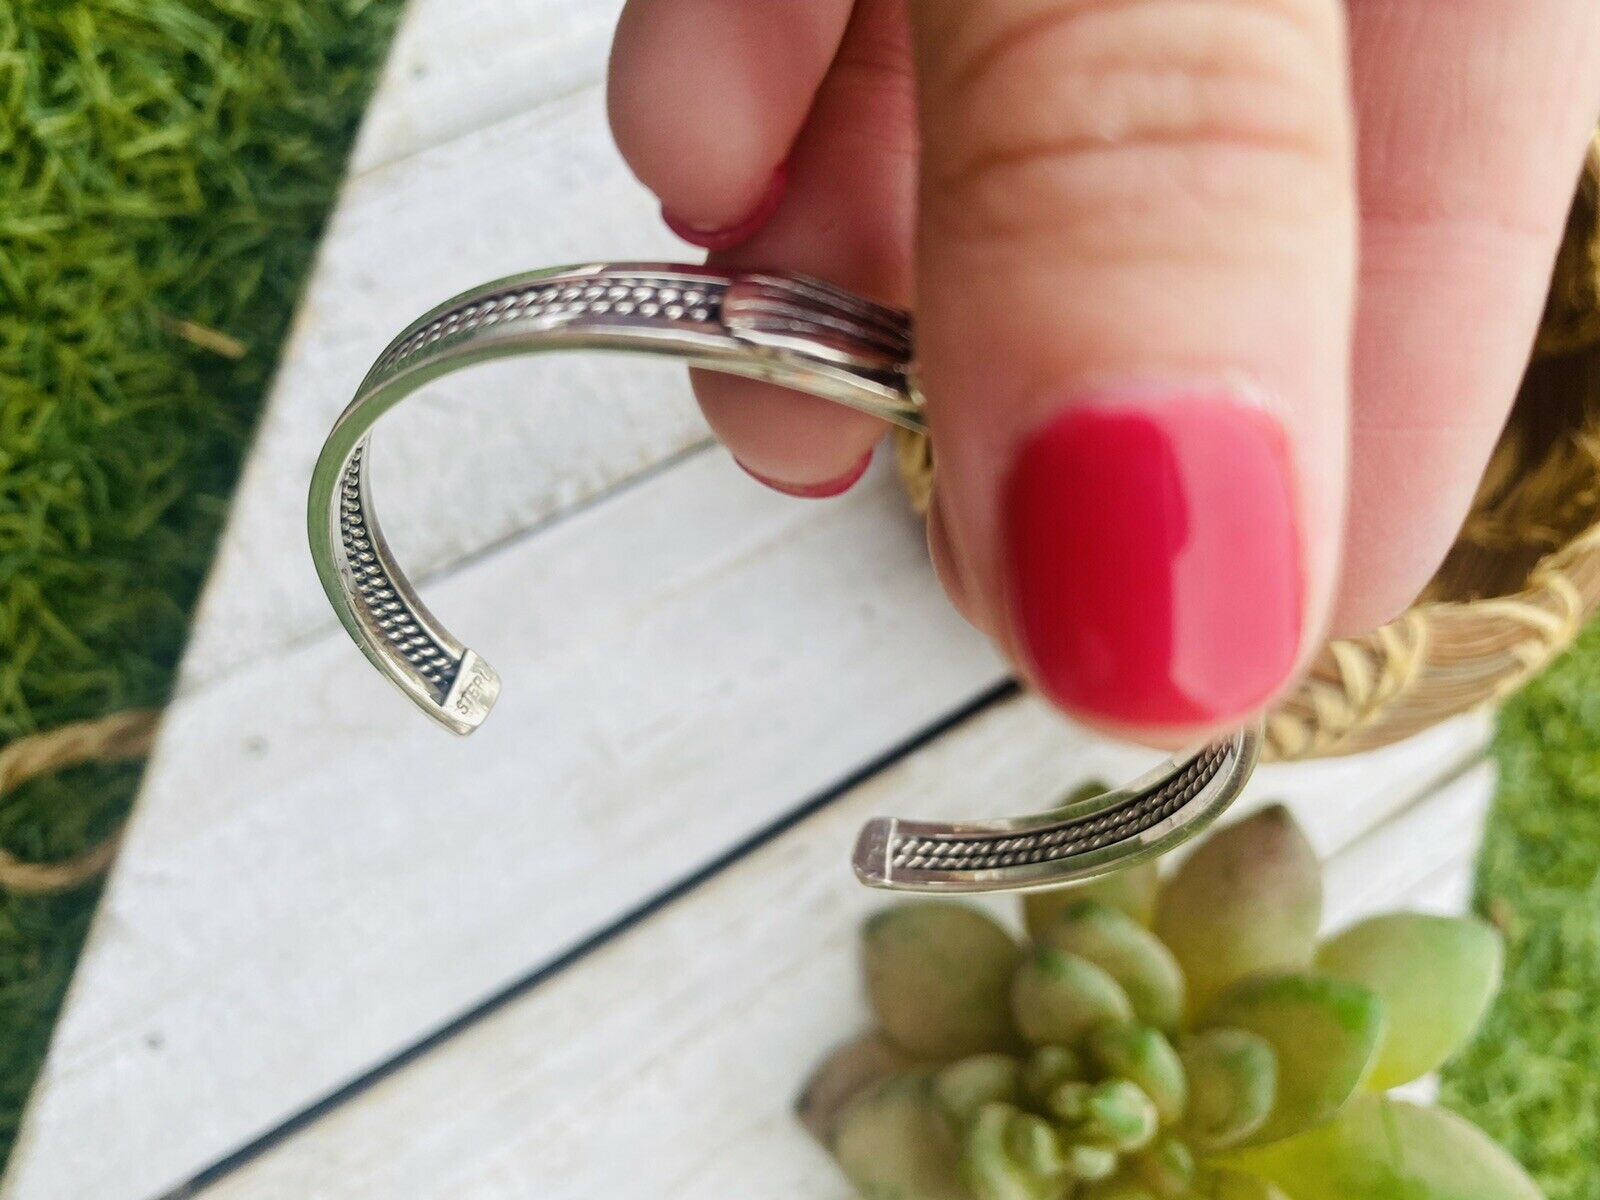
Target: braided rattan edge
119 737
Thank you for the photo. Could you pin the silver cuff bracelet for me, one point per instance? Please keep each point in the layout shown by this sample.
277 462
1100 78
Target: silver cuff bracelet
795 332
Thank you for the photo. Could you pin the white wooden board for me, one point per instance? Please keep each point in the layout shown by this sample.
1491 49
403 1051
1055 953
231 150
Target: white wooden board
315 876
458 66
666 1064
479 457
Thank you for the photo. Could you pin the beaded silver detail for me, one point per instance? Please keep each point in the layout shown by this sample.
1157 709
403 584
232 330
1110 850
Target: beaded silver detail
662 297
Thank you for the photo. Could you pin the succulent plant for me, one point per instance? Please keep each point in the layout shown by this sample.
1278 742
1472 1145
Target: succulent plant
1185 1039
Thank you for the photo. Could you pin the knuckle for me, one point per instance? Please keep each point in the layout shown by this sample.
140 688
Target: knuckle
1105 119
873 74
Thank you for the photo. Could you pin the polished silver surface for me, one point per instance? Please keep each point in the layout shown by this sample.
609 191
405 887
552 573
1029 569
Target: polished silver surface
782 329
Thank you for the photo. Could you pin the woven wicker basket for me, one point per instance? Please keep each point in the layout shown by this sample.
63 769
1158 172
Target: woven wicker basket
1524 574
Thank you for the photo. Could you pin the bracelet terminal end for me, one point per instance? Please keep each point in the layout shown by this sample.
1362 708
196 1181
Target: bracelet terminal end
471 695
871 860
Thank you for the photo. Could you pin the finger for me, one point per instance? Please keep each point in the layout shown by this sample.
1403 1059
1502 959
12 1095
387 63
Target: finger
706 97
942 553
1134 284
847 218
1474 118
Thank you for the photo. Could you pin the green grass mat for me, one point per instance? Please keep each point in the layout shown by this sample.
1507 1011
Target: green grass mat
161 162
1532 1078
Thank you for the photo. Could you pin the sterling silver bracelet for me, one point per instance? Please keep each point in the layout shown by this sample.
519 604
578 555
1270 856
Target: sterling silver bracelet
791 331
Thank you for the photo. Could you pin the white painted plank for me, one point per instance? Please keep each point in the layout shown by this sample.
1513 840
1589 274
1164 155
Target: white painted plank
1420 851
478 457
1449 890
665 1063
457 66
315 876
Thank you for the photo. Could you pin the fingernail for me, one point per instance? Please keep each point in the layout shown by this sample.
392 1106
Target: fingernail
728 236
814 491
1154 558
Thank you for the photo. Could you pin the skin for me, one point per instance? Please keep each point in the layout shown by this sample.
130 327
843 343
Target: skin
1347 208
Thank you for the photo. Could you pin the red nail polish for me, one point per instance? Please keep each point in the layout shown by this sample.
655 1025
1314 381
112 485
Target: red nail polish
814 491
1154 559
728 236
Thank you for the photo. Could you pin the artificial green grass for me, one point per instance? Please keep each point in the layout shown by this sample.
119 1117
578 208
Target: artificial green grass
1532 1077
161 162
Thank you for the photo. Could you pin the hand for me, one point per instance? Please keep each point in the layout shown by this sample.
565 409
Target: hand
1221 304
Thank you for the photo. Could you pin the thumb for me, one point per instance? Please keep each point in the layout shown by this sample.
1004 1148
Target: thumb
1134 277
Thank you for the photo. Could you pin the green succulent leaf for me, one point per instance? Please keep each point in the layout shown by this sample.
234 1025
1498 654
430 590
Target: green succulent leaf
1118 1115
939 977
1382 1149
1436 977
1232 1185
1007 1155
1233 1080
1324 1033
1059 998
894 1143
1120 1186
1036 1146
1068 1101
1128 952
1047 1068
1089 1164
1131 890
1143 1056
1167 1168
965 1086
852 1068
1248 900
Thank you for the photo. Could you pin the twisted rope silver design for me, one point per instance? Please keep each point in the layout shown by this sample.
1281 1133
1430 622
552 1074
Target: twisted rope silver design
955 852
1081 840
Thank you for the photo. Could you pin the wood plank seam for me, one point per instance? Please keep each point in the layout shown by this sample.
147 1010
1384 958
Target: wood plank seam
510 543
361 171
641 915
631 606
623 924
1445 793
1476 760
539 188
520 62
